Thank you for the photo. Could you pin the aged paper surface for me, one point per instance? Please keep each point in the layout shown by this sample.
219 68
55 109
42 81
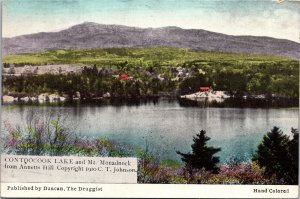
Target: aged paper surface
166 98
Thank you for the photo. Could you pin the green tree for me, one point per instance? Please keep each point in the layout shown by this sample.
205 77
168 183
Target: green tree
293 149
117 88
192 84
202 156
277 154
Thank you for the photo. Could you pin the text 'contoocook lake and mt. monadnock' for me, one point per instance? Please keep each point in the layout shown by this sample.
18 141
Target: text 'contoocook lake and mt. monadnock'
17 168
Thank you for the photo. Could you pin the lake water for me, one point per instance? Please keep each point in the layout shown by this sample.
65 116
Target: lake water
167 126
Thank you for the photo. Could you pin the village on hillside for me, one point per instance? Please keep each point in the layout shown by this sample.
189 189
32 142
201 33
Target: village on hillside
179 74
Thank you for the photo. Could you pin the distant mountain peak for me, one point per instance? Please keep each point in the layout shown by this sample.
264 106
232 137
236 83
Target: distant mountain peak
89 23
170 27
94 35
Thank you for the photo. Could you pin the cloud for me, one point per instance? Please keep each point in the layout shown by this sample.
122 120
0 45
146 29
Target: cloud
239 17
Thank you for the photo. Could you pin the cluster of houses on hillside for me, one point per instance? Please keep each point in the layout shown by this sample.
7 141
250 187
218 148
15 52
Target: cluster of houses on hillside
182 72
177 72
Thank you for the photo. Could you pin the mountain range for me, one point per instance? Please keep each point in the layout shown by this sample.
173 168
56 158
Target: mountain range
93 35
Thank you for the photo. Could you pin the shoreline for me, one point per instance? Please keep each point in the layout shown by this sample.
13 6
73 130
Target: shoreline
231 102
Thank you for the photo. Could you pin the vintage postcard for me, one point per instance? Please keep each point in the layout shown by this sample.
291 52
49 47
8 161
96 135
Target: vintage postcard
150 98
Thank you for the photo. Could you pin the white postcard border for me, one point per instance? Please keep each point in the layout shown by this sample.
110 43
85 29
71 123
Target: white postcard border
148 190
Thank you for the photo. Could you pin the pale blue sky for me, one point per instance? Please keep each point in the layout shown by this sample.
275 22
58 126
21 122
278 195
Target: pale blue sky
235 17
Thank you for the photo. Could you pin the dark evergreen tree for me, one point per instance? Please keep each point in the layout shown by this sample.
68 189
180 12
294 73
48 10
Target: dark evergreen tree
95 70
192 84
202 156
293 148
275 154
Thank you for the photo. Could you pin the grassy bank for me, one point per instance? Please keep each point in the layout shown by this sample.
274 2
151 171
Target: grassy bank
135 56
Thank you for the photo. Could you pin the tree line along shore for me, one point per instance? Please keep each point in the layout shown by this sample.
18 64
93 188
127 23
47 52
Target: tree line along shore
142 72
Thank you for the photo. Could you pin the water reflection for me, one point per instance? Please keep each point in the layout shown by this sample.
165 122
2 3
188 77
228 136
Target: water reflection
184 102
242 103
168 125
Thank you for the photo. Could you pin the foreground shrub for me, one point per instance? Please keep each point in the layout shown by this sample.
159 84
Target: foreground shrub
40 136
241 173
51 135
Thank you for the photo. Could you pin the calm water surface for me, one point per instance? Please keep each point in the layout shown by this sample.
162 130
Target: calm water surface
166 126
